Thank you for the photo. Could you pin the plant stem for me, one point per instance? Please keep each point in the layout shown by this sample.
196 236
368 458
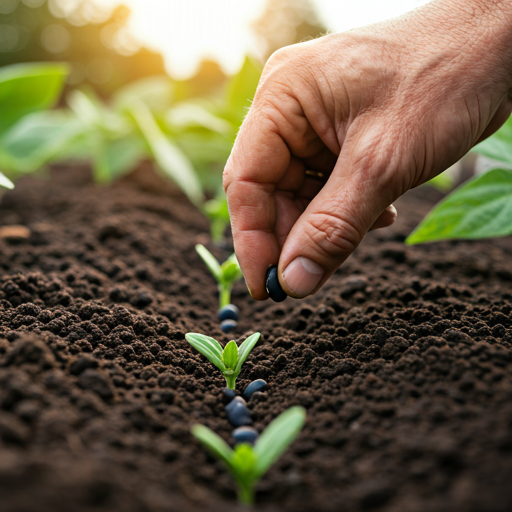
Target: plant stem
224 295
246 494
230 380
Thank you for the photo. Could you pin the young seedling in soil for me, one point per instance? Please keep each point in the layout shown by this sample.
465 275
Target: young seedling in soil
217 211
226 275
248 464
228 360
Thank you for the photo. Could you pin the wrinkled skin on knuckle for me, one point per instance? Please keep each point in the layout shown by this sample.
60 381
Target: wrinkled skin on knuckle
333 237
382 156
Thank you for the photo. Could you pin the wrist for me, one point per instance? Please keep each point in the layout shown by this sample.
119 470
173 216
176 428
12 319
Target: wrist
480 32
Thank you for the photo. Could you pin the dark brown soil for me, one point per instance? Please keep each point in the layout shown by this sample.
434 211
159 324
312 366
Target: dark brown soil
403 362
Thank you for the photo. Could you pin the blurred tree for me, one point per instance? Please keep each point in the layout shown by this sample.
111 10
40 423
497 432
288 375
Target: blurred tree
286 22
94 40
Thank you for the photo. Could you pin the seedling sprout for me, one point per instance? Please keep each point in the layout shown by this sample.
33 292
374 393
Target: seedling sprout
226 274
247 464
228 360
217 211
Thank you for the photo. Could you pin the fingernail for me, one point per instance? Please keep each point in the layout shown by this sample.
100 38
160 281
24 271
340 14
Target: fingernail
302 276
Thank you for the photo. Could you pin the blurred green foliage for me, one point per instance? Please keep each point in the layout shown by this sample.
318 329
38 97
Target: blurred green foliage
481 207
188 139
120 107
26 90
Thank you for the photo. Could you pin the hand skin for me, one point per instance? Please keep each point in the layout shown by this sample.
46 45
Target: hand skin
379 110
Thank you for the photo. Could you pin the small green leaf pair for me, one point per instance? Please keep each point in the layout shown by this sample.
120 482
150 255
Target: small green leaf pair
228 360
247 464
226 274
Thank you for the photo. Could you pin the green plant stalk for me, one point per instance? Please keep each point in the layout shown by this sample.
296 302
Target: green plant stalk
245 493
230 381
224 295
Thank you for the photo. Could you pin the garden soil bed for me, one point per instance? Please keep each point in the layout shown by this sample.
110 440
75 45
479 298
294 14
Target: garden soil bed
403 363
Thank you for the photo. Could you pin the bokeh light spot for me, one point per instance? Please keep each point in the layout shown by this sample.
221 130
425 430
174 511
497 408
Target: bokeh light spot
34 3
8 6
9 38
56 38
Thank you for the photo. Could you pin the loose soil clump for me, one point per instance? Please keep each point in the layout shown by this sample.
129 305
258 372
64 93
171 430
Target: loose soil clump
403 362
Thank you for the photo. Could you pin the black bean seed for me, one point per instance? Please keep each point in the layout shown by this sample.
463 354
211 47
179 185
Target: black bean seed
237 413
274 290
255 385
228 395
245 435
229 312
228 326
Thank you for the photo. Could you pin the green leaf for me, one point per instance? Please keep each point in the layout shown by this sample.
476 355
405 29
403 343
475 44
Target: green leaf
244 462
36 139
157 92
230 270
442 182
113 158
217 208
124 154
102 121
188 115
169 158
210 261
230 355
214 443
481 208
6 182
209 347
245 349
242 88
26 88
499 145
277 437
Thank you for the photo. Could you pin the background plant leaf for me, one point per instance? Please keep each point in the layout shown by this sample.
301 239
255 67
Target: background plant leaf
442 182
277 437
36 139
157 92
210 261
499 145
169 158
481 208
5 181
230 270
186 115
27 88
242 88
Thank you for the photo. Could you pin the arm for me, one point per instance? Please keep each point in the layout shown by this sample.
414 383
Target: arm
377 110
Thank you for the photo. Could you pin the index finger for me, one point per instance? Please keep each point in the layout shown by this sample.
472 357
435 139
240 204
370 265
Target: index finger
258 161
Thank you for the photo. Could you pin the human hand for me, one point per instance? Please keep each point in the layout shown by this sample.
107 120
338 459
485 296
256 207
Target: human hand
377 110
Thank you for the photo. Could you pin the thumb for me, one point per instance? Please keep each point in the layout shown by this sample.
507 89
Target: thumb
334 223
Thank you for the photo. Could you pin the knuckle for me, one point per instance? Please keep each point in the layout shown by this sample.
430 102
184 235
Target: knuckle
227 175
282 55
332 235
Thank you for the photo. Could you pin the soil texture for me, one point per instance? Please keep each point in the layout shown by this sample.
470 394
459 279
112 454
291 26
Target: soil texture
403 362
